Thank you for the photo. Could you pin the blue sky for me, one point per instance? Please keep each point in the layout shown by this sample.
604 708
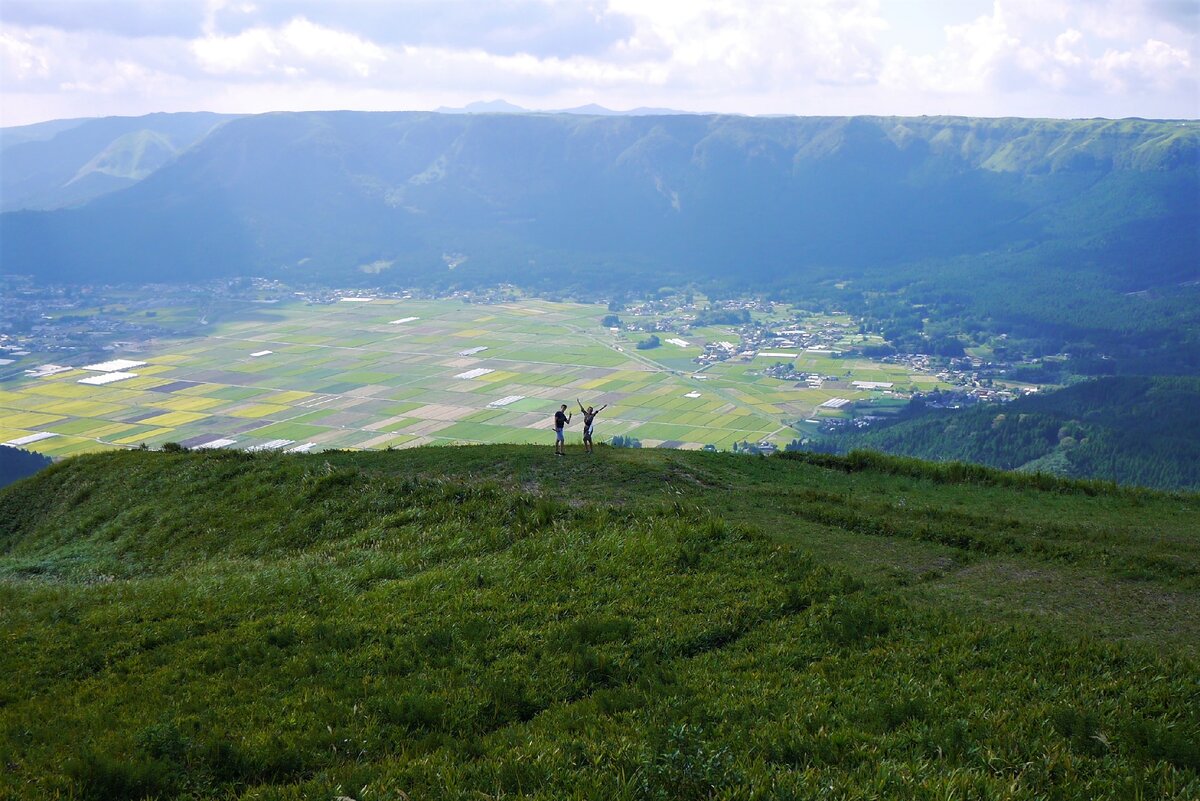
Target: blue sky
1109 58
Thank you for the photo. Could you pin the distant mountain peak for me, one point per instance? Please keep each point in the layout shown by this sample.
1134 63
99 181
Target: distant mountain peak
133 156
500 106
497 106
640 111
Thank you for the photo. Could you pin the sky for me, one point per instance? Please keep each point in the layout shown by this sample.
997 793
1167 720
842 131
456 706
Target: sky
1030 58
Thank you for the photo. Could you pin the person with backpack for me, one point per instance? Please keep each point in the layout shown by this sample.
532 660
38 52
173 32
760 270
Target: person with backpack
561 421
589 416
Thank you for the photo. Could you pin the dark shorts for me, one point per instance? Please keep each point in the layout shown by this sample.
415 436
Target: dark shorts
587 434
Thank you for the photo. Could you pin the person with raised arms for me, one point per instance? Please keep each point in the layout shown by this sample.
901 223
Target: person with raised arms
589 415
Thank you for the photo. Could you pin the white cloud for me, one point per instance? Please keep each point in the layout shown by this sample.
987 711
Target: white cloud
703 49
1155 64
757 46
1043 45
50 60
21 58
1025 57
298 48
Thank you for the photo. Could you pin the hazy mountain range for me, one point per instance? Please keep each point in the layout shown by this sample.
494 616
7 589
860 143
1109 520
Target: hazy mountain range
335 194
66 162
504 107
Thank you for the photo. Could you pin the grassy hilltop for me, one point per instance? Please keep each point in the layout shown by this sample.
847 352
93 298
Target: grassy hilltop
491 622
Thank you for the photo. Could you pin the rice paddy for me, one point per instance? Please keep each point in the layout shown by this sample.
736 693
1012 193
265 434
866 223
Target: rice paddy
383 372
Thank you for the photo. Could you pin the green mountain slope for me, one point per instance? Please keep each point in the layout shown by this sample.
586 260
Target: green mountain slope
695 196
132 156
453 623
61 163
1132 430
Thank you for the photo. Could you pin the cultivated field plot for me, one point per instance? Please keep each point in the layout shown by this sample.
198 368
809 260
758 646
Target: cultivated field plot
398 373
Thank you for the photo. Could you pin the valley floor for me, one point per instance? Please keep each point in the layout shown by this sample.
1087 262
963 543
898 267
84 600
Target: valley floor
388 372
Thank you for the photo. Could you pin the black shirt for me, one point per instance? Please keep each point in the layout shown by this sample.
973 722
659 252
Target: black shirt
560 419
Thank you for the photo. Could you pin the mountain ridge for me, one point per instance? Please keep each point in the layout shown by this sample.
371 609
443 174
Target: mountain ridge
42 166
703 191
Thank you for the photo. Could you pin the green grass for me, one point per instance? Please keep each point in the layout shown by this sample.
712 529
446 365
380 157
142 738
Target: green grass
491 621
296 431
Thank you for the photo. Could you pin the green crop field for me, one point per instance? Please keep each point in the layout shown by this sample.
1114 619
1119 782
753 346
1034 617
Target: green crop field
400 373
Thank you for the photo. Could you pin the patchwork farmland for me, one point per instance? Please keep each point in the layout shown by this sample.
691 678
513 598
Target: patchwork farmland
385 373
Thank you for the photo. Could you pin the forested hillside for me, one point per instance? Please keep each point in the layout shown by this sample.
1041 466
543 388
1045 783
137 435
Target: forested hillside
1132 430
16 463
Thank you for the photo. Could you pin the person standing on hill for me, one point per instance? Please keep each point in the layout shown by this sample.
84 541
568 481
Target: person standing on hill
561 421
589 415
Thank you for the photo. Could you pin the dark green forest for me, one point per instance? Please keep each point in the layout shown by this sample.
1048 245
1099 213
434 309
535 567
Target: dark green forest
16 463
1023 310
1132 430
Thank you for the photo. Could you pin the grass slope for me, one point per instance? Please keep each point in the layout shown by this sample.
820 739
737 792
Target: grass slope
492 622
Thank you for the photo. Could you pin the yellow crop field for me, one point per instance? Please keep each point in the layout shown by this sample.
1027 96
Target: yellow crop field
111 394
726 420
471 333
199 389
61 389
110 430
154 369
787 396
142 437
83 408
7 434
259 410
24 403
73 446
499 375
188 404
290 397
144 383
27 420
174 419
170 358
